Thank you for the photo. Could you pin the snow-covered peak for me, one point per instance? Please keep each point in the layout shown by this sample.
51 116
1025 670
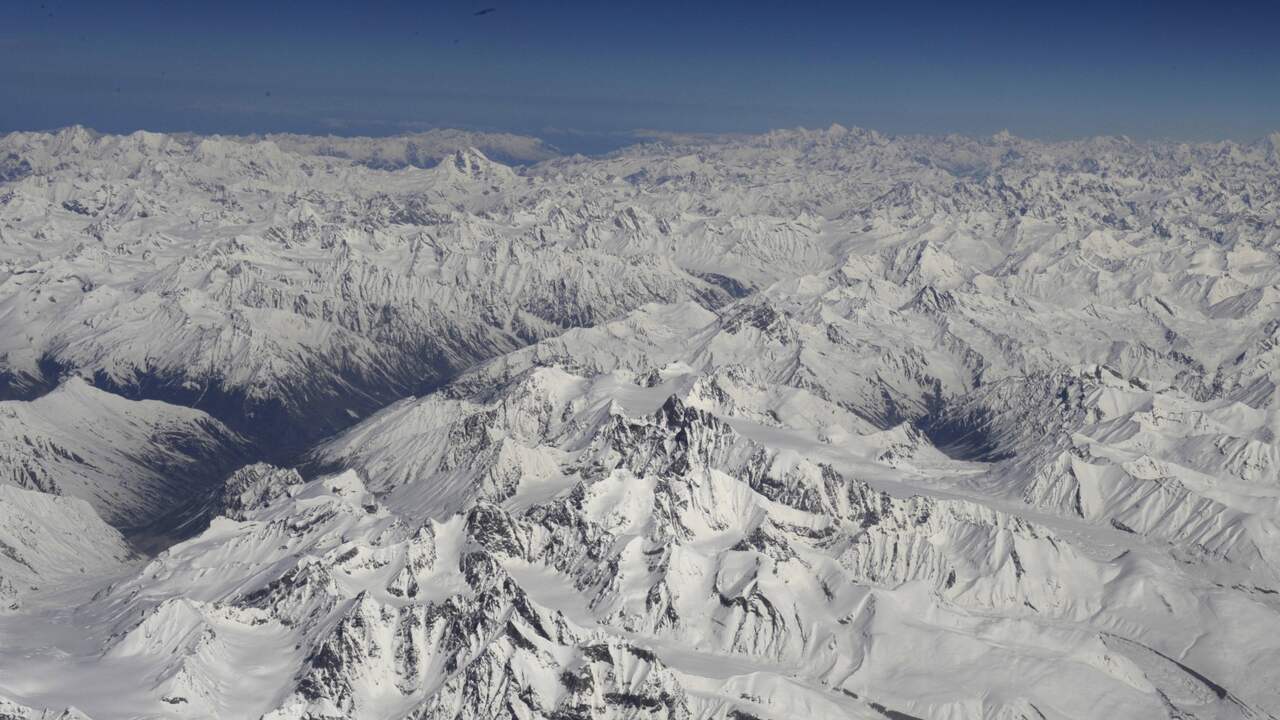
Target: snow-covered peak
471 165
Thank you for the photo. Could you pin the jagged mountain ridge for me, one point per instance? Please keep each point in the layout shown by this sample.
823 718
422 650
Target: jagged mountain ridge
896 427
329 288
422 149
263 287
672 539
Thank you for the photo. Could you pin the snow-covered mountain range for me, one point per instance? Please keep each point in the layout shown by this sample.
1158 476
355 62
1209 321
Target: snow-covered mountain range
817 424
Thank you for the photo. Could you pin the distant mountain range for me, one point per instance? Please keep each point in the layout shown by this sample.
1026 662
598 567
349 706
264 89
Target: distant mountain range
814 423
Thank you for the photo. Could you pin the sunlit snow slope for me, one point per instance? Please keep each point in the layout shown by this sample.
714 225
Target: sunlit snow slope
820 424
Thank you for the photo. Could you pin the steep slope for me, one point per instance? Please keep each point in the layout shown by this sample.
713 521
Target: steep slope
47 540
680 565
285 294
136 463
806 424
267 284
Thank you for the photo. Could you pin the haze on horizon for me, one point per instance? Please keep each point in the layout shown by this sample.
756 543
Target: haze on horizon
585 75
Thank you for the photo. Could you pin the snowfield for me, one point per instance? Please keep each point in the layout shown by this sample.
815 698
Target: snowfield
820 424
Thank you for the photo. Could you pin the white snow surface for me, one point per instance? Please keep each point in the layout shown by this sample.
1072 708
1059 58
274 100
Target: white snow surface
821 424
132 461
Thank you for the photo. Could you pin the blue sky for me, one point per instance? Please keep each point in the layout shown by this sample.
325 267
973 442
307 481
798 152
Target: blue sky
591 72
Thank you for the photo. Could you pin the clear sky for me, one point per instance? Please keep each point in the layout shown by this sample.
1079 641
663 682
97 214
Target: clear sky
590 72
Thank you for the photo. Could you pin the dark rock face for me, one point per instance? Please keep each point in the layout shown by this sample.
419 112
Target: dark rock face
255 487
13 167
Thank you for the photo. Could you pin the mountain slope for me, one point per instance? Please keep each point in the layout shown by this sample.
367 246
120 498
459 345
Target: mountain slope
805 424
47 540
719 570
134 462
